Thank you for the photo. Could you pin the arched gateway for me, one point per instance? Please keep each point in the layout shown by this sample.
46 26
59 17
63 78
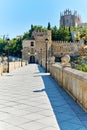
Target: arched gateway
32 59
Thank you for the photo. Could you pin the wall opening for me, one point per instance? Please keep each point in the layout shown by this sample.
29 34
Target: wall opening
32 59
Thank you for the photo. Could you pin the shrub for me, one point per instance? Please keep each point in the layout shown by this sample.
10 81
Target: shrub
82 67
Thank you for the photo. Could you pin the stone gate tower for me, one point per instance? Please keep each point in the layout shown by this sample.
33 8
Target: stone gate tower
34 48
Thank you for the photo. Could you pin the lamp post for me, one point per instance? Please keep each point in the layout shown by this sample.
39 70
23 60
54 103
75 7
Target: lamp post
21 58
29 54
46 41
35 54
41 56
8 40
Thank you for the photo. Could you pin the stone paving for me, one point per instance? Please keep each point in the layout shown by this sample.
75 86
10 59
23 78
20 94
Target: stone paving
31 99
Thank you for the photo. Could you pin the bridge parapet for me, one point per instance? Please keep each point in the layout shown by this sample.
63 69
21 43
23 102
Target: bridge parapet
1 69
12 66
73 81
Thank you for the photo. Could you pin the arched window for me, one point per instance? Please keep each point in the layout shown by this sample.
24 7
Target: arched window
67 22
32 43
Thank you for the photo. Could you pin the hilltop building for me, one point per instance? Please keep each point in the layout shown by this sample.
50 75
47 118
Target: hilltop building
68 18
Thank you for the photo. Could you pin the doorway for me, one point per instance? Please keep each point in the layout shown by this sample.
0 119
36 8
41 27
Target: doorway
32 59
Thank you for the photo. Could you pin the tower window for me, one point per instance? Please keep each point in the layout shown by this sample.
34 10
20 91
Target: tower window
67 21
32 43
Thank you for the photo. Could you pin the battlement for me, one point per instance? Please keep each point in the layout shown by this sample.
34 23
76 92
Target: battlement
64 42
41 32
69 12
41 35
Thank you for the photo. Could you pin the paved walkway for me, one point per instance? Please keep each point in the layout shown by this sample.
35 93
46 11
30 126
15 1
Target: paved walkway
31 100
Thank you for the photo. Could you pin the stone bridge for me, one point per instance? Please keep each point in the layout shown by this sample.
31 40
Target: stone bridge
31 99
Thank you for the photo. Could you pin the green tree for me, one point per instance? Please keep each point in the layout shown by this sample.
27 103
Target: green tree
26 35
2 46
49 26
64 34
31 30
15 47
39 27
55 33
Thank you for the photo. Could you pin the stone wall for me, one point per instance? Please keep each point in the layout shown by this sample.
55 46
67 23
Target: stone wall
61 48
73 81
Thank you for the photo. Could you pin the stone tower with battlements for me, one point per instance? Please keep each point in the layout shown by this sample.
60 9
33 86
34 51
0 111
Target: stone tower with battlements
34 48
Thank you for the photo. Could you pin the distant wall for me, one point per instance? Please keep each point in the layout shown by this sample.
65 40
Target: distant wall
73 81
61 48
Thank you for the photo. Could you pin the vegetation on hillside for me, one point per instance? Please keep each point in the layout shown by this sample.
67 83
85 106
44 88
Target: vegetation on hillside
80 63
82 67
61 34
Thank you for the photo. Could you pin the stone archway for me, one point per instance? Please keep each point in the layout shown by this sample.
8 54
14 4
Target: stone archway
32 59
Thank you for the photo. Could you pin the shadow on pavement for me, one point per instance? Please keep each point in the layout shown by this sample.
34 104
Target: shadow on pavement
69 115
39 90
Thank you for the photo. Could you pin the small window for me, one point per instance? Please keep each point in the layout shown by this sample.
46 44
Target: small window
67 22
32 43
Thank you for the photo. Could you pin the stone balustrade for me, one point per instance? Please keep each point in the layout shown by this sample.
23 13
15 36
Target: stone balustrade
12 66
1 69
73 81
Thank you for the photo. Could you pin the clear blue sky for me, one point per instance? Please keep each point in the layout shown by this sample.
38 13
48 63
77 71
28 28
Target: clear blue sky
16 16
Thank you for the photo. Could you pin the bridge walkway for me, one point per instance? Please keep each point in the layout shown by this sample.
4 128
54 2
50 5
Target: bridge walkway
31 99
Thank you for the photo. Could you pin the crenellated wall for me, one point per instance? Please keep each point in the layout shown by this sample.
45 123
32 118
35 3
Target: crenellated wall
73 81
61 48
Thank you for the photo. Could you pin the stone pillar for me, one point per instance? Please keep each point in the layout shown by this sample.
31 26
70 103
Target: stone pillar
51 60
65 61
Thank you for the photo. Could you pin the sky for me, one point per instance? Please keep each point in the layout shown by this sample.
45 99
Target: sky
16 16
